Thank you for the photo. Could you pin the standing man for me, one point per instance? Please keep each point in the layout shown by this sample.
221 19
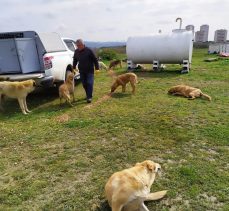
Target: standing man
86 60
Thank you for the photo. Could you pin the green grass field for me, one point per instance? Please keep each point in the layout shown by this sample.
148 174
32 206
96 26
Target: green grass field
59 158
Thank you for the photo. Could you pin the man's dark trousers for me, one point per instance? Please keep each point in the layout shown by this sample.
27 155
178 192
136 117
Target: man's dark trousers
87 80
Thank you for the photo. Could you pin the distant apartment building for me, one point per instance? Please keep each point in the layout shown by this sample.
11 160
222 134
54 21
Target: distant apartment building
220 35
202 35
199 36
205 29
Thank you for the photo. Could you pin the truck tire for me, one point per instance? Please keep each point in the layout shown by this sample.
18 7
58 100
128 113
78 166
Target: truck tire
67 72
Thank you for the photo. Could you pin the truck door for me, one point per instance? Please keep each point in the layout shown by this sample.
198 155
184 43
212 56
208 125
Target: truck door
28 55
9 62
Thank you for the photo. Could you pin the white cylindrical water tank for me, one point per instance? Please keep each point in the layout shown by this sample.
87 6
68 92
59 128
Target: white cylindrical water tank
166 48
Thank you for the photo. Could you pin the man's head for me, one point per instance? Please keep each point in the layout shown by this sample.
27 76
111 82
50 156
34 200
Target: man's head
80 44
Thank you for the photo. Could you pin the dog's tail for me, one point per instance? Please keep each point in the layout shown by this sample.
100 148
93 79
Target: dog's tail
155 196
205 96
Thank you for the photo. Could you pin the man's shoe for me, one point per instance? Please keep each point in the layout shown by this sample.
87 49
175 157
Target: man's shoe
89 100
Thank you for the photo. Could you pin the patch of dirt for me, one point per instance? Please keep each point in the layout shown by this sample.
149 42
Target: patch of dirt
210 199
58 185
63 118
99 101
5 180
178 200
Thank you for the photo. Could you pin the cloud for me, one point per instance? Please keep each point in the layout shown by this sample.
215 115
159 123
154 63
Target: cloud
50 15
111 20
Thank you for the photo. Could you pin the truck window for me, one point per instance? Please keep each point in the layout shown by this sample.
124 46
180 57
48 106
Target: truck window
70 45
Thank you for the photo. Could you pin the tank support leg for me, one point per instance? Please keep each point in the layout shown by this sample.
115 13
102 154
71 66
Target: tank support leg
185 66
156 66
130 65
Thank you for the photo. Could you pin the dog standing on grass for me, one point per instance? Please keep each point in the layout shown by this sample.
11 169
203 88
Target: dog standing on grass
67 89
187 91
123 79
127 190
18 90
115 63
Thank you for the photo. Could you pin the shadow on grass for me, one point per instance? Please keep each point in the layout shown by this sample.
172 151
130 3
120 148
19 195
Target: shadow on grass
104 206
42 96
166 73
120 95
58 107
35 101
161 74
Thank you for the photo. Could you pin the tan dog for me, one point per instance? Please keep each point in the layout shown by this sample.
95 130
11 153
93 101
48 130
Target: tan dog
188 91
67 89
115 63
128 189
18 90
123 79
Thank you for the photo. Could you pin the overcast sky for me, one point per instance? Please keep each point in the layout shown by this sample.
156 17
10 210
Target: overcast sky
111 20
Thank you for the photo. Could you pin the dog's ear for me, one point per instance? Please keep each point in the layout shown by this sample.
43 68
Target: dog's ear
34 83
148 164
151 166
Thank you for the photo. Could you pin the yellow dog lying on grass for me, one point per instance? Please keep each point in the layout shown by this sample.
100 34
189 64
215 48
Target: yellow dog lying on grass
127 190
187 91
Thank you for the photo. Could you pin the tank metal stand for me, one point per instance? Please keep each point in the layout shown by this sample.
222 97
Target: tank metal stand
186 66
130 65
156 66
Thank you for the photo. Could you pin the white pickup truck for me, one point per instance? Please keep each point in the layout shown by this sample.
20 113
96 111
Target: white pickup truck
44 57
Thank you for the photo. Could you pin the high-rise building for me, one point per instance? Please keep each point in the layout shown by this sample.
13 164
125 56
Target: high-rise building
220 35
199 36
202 35
205 29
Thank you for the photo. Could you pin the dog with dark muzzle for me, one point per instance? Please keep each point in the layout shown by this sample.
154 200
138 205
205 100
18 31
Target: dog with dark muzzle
123 79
